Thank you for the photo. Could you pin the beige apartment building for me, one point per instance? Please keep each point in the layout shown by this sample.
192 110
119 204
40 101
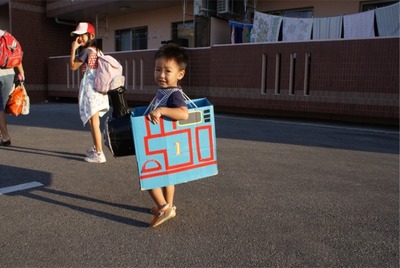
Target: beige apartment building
135 25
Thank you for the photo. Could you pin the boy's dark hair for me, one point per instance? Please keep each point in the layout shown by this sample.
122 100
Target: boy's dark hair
171 51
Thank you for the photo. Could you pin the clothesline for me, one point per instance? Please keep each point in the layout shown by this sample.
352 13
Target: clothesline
266 27
240 24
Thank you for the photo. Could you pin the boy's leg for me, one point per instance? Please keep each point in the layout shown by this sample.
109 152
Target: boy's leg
164 211
169 192
158 197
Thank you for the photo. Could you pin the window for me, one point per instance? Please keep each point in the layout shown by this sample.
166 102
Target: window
131 39
370 5
183 33
294 13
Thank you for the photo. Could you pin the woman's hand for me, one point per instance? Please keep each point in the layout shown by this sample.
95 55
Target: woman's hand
21 78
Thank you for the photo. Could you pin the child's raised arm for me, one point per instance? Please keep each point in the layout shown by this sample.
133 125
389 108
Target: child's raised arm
180 113
73 63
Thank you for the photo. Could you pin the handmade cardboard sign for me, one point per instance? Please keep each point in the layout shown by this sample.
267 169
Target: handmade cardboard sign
173 152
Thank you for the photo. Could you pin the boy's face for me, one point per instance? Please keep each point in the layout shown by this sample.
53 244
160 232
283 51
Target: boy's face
167 73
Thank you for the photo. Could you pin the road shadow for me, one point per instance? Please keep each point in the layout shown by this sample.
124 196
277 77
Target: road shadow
51 115
36 151
290 131
10 176
14 176
86 209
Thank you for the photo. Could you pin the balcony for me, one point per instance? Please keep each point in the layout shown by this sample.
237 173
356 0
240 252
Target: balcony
88 10
356 81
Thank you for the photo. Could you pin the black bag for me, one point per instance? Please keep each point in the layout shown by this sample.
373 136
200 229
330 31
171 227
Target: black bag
118 102
118 130
118 135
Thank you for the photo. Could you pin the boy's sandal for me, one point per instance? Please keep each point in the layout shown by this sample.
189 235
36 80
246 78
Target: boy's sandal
165 213
160 211
156 210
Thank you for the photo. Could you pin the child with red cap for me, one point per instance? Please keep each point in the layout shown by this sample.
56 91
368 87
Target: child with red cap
92 104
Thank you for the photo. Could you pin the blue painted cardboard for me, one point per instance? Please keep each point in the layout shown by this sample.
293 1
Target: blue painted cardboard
174 152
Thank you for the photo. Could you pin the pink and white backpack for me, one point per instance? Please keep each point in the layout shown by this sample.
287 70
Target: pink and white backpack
109 74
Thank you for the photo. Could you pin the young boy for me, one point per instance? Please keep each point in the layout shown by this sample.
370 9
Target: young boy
170 64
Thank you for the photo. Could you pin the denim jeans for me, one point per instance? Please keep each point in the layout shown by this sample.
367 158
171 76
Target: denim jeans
6 86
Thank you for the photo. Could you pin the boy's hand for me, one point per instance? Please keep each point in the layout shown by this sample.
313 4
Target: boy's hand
154 116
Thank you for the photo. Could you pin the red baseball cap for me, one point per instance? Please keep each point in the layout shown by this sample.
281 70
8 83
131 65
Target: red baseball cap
82 28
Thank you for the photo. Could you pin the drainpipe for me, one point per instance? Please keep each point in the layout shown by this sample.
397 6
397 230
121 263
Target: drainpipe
65 22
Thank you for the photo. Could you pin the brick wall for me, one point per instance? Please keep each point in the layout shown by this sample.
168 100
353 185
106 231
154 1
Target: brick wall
40 38
352 80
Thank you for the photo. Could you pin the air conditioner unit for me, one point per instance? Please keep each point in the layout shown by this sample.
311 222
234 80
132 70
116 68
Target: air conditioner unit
223 6
228 7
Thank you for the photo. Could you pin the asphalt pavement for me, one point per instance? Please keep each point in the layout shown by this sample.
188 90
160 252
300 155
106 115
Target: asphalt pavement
289 193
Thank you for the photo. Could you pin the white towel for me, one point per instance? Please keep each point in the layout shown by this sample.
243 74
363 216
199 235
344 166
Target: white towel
265 27
360 25
327 28
296 29
387 20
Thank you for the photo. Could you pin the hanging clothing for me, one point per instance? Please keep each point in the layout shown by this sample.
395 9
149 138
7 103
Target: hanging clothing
265 27
360 25
233 34
296 29
238 35
387 20
237 31
327 28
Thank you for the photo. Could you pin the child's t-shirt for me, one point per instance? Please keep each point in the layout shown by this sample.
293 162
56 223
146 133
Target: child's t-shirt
89 57
168 97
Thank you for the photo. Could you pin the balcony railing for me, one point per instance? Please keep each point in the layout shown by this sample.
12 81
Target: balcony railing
342 78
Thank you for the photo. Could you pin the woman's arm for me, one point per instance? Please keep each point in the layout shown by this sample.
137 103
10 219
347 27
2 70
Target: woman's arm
21 72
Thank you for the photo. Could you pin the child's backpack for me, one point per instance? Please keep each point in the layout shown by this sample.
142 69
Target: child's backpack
109 74
10 51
